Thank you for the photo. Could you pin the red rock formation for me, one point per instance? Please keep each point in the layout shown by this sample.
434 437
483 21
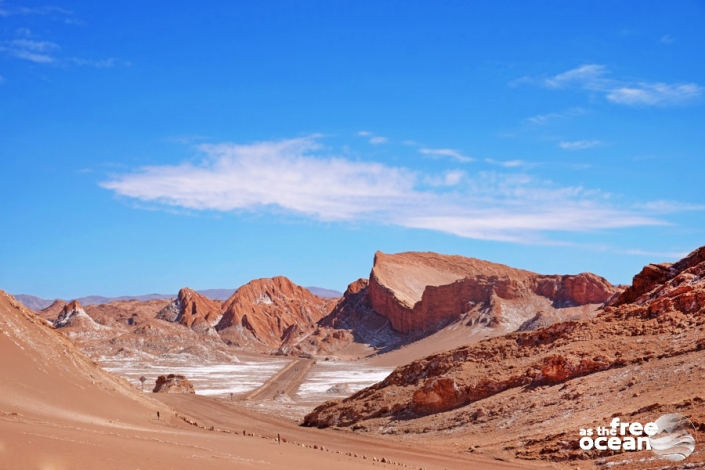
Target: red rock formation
192 310
438 394
421 291
355 314
53 311
73 315
653 276
665 320
266 308
173 384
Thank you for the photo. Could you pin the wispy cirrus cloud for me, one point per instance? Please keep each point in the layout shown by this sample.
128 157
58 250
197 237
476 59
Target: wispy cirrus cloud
579 144
26 11
542 119
597 78
666 207
372 138
510 163
40 52
23 44
655 94
100 64
450 153
294 176
669 255
45 52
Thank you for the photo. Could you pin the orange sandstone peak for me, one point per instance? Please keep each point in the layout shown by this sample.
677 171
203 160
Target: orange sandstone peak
73 315
192 310
266 308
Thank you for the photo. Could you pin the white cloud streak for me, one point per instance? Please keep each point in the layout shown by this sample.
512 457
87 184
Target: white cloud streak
671 255
288 175
437 153
579 144
378 140
372 138
596 78
510 163
542 119
34 51
45 52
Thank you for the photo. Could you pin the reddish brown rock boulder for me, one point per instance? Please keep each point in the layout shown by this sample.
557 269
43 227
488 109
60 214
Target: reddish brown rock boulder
421 291
173 383
192 310
265 309
438 394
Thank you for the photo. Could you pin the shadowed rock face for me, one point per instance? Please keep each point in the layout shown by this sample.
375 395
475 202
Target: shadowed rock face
419 291
173 384
270 310
355 314
192 310
663 321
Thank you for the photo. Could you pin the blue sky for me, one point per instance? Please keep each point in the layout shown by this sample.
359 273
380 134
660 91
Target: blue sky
149 147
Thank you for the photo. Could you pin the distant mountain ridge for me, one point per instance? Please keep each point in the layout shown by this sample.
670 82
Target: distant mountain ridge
38 303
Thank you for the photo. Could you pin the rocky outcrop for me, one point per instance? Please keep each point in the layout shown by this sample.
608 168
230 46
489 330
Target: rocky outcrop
193 310
654 276
173 384
52 312
266 309
355 314
662 322
438 394
73 315
422 291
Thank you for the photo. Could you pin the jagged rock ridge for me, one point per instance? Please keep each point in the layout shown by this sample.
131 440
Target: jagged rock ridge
73 315
269 310
422 291
192 310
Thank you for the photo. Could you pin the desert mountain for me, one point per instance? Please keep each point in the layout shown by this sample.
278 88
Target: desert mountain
422 291
33 302
73 315
52 312
192 310
325 293
129 330
435 302
37 303
45 374
628 361
355 313
267 310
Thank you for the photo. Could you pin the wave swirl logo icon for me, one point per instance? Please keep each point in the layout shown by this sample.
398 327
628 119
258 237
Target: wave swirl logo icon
673 441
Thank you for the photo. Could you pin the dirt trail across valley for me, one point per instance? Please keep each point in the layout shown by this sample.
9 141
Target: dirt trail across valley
233 417
285 381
